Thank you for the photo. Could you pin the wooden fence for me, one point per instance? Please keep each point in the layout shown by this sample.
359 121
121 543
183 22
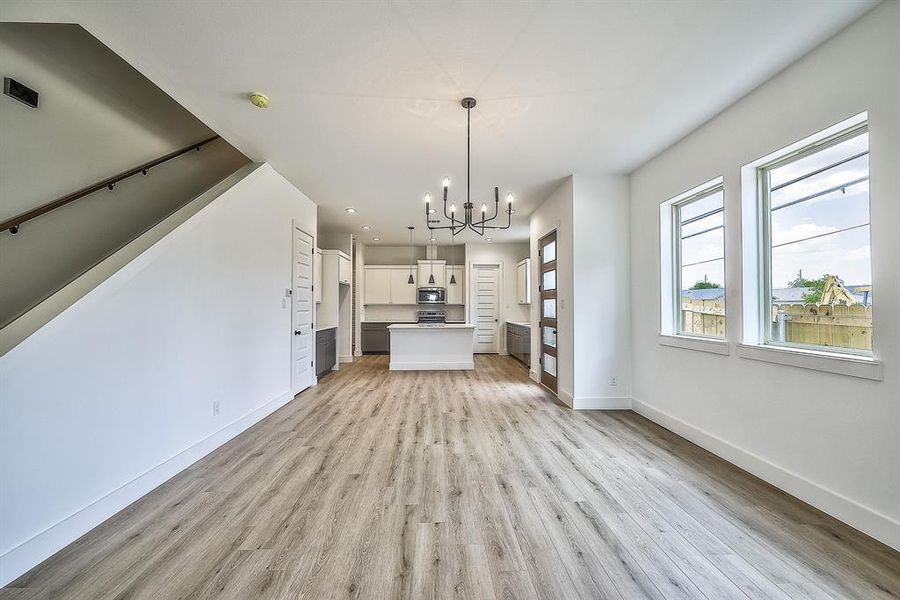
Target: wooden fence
836 325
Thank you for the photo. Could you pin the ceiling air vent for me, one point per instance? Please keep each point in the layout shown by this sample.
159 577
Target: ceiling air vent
20 92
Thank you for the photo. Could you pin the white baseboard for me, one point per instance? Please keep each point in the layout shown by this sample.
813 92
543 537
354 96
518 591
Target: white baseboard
565 397
32 552
601 403
432 366
346 359
872 523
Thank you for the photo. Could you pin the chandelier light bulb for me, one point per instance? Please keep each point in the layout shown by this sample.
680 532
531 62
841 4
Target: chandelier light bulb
483 207
453 208
427 198
509 198
446 182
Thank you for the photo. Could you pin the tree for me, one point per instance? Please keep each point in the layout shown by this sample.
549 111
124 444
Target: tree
815 287
705 284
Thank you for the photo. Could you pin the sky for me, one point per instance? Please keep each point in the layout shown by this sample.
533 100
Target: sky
846 254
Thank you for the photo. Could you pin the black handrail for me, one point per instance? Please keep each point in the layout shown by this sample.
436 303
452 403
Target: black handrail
12 225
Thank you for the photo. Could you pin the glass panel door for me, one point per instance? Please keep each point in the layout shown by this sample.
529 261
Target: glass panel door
549 309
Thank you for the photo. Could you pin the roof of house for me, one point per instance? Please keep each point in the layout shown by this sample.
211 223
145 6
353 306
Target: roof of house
781 295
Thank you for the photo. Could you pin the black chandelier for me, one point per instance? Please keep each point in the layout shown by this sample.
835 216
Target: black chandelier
457 226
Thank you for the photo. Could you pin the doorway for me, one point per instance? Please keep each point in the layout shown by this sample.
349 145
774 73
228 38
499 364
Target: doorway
547 323
301 311
486 307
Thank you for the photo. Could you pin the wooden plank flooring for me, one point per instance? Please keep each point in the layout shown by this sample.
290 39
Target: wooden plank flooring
462 485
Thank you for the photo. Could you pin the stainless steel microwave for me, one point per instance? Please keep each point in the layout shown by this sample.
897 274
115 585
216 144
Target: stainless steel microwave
431 295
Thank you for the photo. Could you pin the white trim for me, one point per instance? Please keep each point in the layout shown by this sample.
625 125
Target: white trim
863 518
565 397
713 345
839 364
32 552
432 366
601 403
345 358
669 251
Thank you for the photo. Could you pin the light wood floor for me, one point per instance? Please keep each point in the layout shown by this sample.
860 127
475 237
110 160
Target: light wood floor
475 485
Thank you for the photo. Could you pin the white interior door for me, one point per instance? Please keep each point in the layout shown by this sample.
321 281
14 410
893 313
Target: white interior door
486 303
302 312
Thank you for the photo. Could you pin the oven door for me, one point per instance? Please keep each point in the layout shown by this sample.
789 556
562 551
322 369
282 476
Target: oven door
431 295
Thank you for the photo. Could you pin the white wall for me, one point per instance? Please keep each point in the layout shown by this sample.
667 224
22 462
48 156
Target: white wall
96 117
831 440
115 394
508 254
555 213
601 294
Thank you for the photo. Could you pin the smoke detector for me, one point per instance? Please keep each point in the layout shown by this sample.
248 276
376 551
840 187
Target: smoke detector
259 100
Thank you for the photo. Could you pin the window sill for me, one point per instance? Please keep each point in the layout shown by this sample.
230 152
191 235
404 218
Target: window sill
830 362
694 343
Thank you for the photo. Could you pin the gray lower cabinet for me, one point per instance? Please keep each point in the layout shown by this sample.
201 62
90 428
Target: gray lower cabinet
518 342
326 350
375 338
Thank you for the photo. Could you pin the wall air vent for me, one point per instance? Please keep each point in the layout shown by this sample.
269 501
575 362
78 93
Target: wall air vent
20 92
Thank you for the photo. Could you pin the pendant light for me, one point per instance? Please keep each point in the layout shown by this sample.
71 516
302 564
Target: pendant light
433 252
452 263
410 281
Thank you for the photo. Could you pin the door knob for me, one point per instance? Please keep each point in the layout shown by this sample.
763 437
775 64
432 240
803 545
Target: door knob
297 332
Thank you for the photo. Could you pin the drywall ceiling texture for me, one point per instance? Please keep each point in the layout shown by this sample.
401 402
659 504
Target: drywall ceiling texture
831 440
365 95
97 116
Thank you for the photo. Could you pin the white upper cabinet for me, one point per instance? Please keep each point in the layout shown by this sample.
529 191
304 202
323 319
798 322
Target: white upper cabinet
378 286
456 291
344 274
523 281
426 270
402 291
317 276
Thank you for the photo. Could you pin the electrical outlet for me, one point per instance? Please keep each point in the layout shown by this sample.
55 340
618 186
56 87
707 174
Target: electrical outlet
215 407
613 381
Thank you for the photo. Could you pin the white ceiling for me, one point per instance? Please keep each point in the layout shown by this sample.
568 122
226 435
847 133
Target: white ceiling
365 95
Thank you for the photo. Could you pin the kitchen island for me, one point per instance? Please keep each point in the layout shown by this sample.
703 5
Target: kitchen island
432 346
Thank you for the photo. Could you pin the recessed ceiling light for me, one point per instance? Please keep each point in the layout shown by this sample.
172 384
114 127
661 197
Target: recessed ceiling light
366 227
433 239
431 211
489 239
512 210
376 239
350 210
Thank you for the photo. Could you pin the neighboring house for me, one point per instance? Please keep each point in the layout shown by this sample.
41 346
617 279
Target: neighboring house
862 294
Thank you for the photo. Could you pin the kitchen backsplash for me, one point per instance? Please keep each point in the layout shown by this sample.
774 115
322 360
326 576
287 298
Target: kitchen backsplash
406 312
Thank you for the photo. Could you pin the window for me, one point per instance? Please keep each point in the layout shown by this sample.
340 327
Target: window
815 267
693 248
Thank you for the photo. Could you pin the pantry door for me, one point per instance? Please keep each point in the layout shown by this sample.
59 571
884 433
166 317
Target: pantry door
547 325
486 303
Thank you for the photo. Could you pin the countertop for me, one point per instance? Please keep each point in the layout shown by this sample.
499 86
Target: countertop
520 323
431 326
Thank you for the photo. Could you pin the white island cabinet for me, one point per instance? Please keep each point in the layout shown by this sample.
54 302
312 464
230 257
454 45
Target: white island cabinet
432 347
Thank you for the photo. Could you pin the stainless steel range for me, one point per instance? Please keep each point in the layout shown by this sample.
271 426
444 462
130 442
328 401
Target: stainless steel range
431 314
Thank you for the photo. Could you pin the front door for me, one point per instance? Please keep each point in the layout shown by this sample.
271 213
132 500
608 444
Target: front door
486 303
302 312
547 329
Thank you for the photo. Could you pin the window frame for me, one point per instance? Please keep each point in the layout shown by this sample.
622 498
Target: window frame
764 241
675 206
